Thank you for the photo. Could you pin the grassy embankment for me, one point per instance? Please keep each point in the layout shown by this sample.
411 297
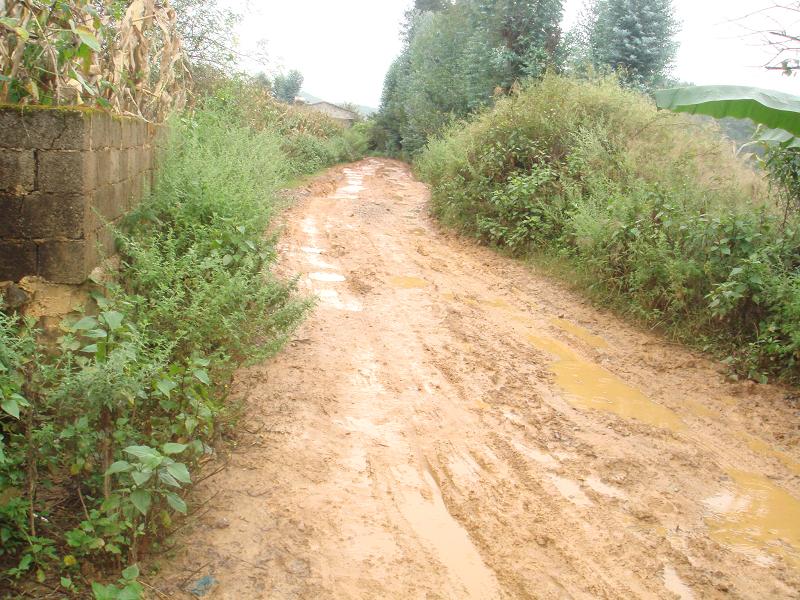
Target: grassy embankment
649 212
100 436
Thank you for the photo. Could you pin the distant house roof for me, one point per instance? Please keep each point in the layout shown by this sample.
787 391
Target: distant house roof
337 112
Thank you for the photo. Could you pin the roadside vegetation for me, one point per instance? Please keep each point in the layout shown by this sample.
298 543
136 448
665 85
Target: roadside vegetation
652 210
103 429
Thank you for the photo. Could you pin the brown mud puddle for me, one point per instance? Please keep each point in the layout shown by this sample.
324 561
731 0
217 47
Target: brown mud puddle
756 517
588 385
427 514
580 332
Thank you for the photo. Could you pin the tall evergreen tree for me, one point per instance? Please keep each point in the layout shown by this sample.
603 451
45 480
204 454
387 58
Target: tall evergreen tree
527 32
636 38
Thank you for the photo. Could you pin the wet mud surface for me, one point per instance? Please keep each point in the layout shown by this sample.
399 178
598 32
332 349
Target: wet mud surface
449 424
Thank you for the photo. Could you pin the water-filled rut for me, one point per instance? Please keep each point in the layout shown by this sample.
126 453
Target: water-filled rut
450 424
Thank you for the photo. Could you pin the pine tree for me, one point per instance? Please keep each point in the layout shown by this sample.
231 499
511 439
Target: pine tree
635 38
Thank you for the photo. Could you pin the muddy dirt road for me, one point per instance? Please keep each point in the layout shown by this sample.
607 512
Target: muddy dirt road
448 424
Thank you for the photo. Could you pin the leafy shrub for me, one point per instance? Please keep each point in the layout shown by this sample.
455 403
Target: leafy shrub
782 165
306 152
652 208
353 144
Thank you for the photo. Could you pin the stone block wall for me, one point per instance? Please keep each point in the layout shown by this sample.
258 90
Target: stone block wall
65 176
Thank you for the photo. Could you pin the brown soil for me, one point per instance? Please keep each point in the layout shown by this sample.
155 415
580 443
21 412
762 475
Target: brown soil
450 424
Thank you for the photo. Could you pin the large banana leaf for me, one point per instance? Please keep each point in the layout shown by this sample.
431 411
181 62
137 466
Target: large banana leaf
775 110
778 136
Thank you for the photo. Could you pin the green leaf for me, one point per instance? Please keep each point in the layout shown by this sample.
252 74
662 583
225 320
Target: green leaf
171 448
202 376
100 300
179 472
132 591
226 260
141 452
71 345
141 477
13 24
131 573
168 479
777 136
113 319
121 466
141 500
776 110
11 406
176 502
165 386
90 349
87 37
103 592
25 562
190 423
111 504
85 324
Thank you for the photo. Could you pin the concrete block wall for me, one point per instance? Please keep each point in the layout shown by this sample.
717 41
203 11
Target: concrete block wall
65 175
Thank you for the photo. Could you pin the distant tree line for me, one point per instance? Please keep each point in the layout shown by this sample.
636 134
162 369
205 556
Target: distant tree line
458 54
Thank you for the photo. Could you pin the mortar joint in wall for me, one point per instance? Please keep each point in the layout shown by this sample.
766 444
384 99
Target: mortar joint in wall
36 170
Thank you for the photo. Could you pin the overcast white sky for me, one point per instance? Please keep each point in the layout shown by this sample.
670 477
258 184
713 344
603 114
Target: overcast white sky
344 47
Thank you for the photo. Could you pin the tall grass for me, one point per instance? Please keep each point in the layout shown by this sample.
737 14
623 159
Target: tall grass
654 210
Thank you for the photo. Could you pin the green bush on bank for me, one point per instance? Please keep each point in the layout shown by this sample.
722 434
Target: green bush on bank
308 153
100 434
309 139
652 209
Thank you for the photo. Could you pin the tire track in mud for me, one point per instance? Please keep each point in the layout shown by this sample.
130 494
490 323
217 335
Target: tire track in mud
449 424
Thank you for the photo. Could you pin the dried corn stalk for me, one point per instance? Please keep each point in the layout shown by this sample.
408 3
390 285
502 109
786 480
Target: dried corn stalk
124 55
